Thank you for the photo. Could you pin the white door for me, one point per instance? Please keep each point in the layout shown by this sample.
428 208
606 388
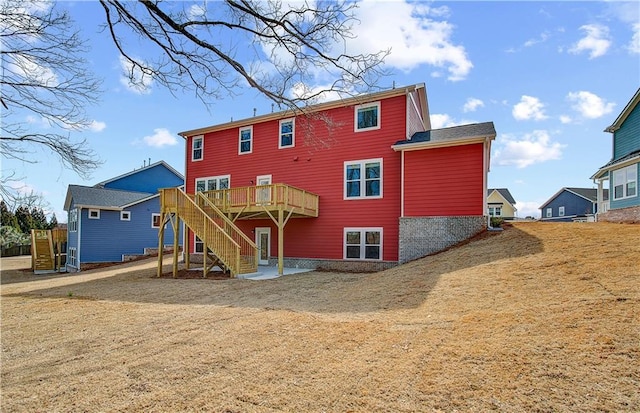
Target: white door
263 241
263 193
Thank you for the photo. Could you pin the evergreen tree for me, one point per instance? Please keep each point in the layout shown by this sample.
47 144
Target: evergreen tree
38 219
8 219
25 222
53 222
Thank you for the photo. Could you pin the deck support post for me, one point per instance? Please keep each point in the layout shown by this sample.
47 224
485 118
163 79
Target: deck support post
175 224
281 224
160 242
186 250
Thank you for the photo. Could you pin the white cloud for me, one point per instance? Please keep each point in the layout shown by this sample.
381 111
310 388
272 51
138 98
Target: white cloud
589 105
596 41
31 71
412 34
472 104
634 44
97 126
565 119
528 108
441 120
532 148
197 11
135 79
528 209
544 36
160 138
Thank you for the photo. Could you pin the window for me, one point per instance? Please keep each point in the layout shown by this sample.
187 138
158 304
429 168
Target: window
287 134
367 117
72 259
363 243
198 245
212 183
155 220
495 211
246 137
125 216
196 148
363 179
94 214
549 213
625 182
73 220
561 211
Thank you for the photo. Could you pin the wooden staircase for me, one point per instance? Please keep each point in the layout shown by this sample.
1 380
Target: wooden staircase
226 245
42 256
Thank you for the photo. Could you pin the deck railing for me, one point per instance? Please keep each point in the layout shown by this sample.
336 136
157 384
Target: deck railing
271 196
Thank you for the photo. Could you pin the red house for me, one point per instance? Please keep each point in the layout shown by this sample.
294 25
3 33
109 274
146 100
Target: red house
356 184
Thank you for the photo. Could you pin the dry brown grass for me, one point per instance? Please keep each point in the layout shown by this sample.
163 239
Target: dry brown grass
540 317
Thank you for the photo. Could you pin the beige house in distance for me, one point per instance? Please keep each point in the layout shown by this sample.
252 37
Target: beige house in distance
500 203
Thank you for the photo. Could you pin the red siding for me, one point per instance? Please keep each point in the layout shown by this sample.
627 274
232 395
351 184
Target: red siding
444 181
317 169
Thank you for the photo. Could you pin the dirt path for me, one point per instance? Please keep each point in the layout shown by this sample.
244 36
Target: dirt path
540 317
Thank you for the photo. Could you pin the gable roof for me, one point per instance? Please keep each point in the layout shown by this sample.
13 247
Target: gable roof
103 198
625 113
590 194
455 135
626 160
136 171
353 100
504 192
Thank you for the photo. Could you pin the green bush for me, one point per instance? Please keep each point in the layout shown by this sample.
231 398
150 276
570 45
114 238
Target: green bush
496 222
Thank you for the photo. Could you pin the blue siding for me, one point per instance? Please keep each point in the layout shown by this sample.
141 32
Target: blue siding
573 205
627 138
108 238
627 202
148 180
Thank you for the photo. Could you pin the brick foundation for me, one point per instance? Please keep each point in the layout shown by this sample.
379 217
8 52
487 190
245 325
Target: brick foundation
629 215
421 236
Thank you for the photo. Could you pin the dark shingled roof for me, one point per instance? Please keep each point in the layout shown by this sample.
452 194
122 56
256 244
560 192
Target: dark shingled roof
453 133
589 193
505 194
103 197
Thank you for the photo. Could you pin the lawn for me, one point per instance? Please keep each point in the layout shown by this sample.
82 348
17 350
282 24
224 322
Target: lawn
539 317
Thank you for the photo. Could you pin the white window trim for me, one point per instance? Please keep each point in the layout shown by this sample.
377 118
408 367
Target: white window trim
363 185
73 220
73 257
250 128
208 178
122 215
549 213
561 211
625 182
153 215
193 148
97 211
293 133
363 106
362 231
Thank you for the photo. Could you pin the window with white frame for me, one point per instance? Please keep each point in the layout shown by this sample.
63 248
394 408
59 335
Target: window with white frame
561 211
549 212
367 117
363 179
72 259
245 143
625 182
495 211
125 215
363 243
94 214
155 220
212 183
287 133
197 146
73 220
198 245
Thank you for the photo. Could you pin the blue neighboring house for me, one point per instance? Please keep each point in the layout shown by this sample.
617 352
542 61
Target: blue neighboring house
620 174
571 204
117 218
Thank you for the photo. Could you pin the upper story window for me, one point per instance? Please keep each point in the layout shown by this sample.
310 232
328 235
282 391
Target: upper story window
287 133
73 220
367 117
94 214
363 179
245 144
125 215
196 148
212 183
625 182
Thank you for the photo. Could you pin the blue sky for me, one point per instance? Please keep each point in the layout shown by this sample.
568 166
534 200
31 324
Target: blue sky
550 75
